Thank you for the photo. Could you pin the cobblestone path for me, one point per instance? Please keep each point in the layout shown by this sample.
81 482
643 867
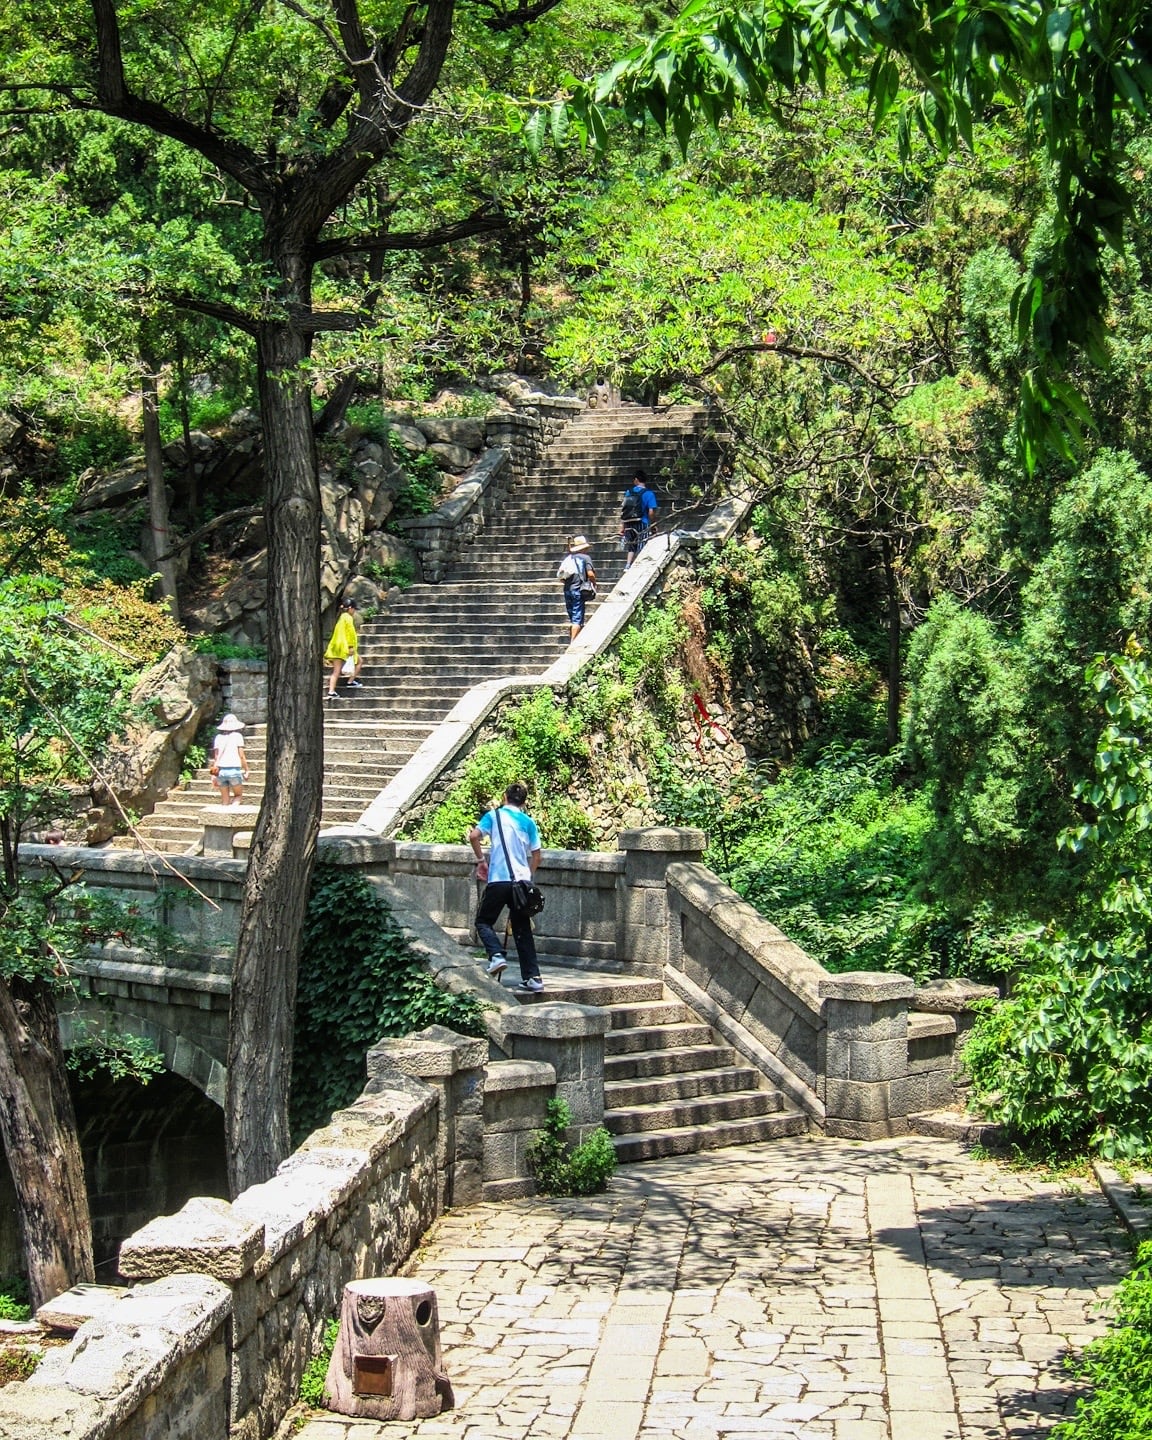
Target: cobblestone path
818 1289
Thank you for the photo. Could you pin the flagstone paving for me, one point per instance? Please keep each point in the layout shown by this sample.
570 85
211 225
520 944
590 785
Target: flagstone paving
827 1290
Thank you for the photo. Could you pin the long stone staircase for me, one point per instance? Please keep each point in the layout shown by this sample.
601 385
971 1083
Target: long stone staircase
500 612
670 1086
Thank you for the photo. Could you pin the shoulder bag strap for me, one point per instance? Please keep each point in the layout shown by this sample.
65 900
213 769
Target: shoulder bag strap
504 844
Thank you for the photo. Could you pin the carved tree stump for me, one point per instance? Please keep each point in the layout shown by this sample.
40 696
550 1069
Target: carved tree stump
387 1363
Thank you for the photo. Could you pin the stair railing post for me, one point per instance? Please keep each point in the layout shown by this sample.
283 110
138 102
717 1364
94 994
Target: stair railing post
642 913
866 1089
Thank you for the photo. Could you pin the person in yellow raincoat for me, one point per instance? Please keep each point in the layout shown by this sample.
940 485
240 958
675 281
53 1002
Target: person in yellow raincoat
344 646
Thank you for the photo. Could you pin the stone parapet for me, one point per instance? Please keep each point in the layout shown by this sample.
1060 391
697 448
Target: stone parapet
156 1357
516 1093
353 1200
244 689
569 1038
454 1067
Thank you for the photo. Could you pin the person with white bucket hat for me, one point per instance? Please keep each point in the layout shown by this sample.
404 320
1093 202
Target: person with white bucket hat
229 763
579 582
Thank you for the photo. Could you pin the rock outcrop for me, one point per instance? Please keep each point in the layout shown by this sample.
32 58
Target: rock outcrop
172 701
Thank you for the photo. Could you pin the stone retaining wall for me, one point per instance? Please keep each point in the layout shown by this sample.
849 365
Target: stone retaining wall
518 439
244 689
231 1300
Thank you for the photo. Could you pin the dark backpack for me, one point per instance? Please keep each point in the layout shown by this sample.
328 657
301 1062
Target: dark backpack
633 506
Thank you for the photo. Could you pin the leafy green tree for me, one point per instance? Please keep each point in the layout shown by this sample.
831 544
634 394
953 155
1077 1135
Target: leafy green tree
290 111
1066 1061
60 695
1078 72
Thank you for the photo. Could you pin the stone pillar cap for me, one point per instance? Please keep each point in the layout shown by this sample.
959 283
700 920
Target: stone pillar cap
428 1054
952 996
559 1021
236 817
666 838
871 986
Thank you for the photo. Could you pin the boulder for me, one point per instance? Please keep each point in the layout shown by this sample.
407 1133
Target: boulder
172 699
407 435
387 551
469 434
363 593
453 458
100 490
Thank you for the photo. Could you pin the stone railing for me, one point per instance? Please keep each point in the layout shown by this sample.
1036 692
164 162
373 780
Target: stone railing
858 1052
459 730
230 1300
517 439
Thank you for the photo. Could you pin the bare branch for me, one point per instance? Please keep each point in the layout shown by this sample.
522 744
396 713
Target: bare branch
114 97
245 512
795 352
216 310
482 222
501 20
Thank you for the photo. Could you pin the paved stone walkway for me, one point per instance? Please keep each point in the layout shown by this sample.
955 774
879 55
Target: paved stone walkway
806 1288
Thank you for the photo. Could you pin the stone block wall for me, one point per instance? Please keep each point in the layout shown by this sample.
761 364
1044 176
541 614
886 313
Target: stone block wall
244 689
156 1365
515 1095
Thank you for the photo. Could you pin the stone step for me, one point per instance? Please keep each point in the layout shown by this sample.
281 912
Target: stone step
696 1113
590 988
686 1085
677 1060
660 1037
654 1012
656 1144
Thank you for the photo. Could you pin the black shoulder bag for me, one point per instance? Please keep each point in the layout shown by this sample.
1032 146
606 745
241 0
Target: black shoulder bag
527 899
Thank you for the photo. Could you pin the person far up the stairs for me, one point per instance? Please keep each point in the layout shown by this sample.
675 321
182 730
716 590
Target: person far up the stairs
343 652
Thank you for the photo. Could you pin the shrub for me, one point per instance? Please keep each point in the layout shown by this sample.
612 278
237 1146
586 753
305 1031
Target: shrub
1119 1366
316 1371
559 1170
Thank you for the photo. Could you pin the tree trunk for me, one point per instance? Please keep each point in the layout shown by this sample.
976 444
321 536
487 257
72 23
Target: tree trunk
157 493
892 729
41 1141
186 430
283 846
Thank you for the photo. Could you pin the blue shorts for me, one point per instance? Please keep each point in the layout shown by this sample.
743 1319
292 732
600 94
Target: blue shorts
574 603
230 776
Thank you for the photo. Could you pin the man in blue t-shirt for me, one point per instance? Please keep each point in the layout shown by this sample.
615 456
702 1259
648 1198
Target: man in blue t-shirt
637 516
512 836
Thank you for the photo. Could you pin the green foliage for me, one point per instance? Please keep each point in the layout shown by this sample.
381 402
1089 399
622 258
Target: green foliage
102 1049
1050 59
542 745
223 647
14 1299
1067 1059
316 1370
401 574
830 851
562 1170
1119 1366
422 488
195 758
359 980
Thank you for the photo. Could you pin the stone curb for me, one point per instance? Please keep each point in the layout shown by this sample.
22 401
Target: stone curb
1130 1199
956 1125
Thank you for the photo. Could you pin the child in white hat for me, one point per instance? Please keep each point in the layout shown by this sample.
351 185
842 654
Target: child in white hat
229 763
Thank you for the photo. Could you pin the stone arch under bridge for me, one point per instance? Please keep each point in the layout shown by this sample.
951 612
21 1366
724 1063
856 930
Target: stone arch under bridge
192 1037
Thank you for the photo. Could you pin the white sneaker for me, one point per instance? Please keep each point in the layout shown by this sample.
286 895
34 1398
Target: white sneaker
497 965
531 987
